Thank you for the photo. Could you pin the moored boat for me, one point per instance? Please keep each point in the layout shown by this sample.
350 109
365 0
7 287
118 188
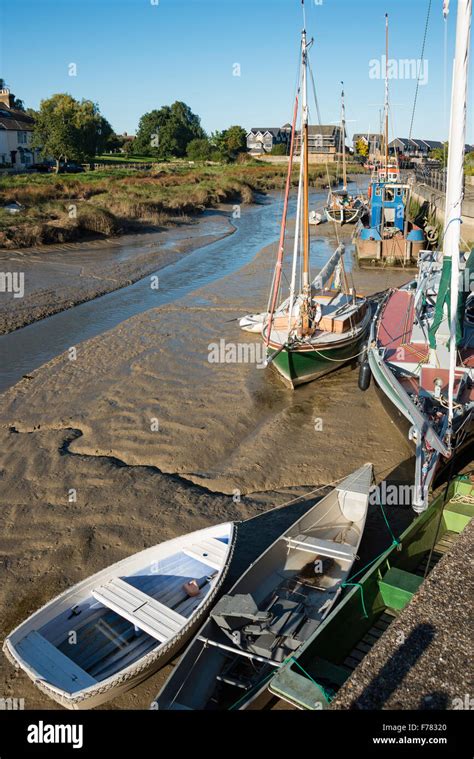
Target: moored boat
421 346
323 664
343 207
275 606
385 235
113 630
322 324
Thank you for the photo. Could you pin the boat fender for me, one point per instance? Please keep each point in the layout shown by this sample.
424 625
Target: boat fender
191 588
365 374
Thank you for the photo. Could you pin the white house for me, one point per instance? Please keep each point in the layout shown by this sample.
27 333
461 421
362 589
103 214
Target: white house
16 132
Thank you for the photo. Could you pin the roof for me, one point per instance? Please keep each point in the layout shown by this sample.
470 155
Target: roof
273 130
432 144
365 136
325 129
13 119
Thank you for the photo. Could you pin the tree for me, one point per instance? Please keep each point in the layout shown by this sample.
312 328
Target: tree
440 154
361 147
229 143
280 149
199 150
67 129
168 131
235 139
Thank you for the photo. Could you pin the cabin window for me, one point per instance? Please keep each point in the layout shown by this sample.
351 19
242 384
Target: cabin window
378 191
389 195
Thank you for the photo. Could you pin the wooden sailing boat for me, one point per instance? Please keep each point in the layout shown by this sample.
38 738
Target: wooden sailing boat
342 207
322 325
111 631
421 345
275 606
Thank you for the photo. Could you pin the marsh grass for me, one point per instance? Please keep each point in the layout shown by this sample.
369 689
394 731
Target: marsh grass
108 202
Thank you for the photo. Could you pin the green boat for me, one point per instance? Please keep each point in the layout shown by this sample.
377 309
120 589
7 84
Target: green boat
321 324
327 659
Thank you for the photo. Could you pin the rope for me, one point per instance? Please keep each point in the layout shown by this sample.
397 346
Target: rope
357 585
325 694
419 72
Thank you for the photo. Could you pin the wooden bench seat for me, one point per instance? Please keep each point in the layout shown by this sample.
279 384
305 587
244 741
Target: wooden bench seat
141 610
322 547
208 551
52 665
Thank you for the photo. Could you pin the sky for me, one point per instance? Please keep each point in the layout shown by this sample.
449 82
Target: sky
232 61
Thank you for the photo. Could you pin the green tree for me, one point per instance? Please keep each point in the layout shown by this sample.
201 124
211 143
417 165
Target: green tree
199 150
280 149
229 143
166 132
67 129
440 154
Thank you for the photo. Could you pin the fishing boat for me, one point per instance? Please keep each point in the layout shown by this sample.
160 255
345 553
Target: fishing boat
385 235
275 606
421 345
328 658
108 633
343 207
323 323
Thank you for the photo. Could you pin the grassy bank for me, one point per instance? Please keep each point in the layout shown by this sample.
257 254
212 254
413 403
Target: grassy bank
113 201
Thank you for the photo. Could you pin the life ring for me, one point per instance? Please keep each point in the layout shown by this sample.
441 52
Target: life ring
369 192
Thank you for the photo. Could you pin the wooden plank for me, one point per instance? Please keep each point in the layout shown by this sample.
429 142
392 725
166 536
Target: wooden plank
52 665
141 610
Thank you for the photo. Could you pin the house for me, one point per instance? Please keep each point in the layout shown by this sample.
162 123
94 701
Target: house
16 133
374 142
263 139
325 142
413 150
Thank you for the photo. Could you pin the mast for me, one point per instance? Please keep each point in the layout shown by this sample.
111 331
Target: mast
343 126
386 97
455 177
305 148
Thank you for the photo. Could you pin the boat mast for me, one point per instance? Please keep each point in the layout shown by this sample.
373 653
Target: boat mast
386 97
343 127
305 325
455 177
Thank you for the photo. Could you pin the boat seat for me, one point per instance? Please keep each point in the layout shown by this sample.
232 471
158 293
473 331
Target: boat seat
208 551
141 610
321 547
52 665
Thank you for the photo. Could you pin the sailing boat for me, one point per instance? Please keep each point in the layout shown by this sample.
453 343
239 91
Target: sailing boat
322 326
385 235
421 345
342 207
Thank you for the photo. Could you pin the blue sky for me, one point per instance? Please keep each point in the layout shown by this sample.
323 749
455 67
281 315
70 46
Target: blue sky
134 55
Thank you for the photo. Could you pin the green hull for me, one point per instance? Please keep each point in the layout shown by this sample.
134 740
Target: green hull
386 587
298 367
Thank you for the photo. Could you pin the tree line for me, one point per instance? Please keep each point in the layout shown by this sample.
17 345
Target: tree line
67 129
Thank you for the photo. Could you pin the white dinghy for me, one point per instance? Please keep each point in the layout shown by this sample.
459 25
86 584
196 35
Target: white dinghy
274 607
113 630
